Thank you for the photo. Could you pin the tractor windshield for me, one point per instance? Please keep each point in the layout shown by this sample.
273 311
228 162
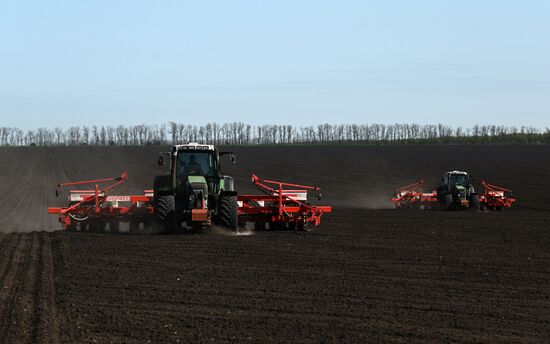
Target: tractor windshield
198 163
458 179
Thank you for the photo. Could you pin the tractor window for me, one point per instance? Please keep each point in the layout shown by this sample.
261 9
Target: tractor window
458 179
200 163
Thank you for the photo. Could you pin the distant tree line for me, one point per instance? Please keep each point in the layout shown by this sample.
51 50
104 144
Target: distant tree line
238 133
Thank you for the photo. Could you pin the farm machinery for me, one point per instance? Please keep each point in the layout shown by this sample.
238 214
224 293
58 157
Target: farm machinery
194 193
456 191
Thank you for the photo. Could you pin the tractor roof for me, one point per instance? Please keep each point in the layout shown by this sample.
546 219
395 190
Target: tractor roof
458 172
193 146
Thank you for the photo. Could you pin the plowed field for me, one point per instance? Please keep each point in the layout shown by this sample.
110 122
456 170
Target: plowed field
368 274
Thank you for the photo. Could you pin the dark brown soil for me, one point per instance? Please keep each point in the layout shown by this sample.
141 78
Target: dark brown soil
368 274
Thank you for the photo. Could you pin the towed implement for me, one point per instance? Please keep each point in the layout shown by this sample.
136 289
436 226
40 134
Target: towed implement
96 210
455 192
495 197
194 193
280 207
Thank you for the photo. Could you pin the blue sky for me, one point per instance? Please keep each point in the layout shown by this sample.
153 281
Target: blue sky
68 63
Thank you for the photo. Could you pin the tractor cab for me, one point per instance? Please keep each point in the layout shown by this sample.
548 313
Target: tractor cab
458 183
195 165
457 179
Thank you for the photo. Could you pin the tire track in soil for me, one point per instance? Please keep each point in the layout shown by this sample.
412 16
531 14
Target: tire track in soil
10 252
27 295
14 308
45 316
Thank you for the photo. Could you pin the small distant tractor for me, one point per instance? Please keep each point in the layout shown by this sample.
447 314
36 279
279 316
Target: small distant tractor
455 192
194 192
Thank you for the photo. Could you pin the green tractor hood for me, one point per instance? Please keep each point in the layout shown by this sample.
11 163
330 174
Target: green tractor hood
198 183
460 188
196 180
462 191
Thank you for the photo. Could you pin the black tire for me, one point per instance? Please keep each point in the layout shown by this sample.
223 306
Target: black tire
259 226
114 227
474 202
133 227
446 201
71 227
165 209
81 225
101 225
275 226
304 227
85 226
93 226
228 212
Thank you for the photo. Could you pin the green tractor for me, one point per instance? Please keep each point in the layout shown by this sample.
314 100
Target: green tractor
457 192
195 192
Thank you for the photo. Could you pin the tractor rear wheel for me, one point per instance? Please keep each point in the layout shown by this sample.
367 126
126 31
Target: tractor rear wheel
446 201
228 212
474 202
165 209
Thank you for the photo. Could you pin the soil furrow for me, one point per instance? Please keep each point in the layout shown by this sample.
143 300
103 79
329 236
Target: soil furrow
15 307
45 316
